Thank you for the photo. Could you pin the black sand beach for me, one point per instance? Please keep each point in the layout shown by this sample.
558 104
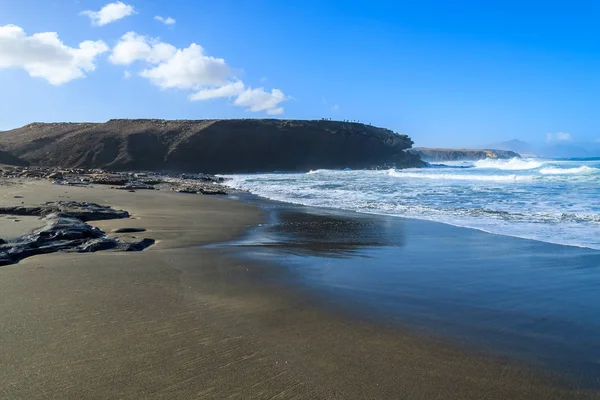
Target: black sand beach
183 320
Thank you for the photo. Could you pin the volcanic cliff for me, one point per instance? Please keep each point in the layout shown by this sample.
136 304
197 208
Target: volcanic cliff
211 146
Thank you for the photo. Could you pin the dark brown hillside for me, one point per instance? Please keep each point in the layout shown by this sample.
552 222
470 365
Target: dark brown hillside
212 146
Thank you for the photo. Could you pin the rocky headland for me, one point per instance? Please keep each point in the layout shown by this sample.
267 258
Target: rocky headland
209 146
431 154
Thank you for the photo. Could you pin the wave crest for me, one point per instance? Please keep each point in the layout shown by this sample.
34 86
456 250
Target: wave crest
457 177
583 170
513 164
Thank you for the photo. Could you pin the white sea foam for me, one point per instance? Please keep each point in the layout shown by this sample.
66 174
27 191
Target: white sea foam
462 177
583 170
514 164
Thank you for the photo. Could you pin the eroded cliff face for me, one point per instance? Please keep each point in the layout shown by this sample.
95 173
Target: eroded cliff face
433 155
212 146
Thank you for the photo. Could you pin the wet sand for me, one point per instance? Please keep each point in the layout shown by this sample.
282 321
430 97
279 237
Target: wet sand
183 321
13 226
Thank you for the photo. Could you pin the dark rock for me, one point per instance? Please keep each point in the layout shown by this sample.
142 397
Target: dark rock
5 259
213 191
86 211
129 230
68 209
115 180
97 245
138 246
61 228
56 175
136 186
66 229
21 210
186 190
151 182
210 178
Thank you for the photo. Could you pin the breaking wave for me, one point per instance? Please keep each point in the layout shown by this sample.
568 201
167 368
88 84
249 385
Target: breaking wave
462 177
583 170
514 164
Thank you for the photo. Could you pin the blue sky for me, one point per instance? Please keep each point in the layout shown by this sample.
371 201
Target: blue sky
447 73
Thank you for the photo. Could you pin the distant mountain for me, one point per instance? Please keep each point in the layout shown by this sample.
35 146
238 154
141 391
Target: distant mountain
568 150
515 145
564 149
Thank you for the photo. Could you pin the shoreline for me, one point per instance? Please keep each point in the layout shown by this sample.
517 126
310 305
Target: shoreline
522 200
252 198
181 321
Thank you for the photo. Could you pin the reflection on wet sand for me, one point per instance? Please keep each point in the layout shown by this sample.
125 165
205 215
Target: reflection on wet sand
322 233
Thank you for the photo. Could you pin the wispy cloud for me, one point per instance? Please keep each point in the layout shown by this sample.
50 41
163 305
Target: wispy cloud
109 13
335 107
559 137
191 69
227 91
166 21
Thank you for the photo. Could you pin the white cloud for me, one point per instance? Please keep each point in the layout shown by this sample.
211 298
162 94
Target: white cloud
256 100
166 21
44 55
126 75
559 137
227 91
133 47
335 107
109 13
189 68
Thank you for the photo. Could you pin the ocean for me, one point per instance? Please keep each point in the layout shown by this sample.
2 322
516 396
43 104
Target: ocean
554 201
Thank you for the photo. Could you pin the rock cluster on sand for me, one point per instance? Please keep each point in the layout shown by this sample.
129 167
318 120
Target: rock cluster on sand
65 230
131 181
